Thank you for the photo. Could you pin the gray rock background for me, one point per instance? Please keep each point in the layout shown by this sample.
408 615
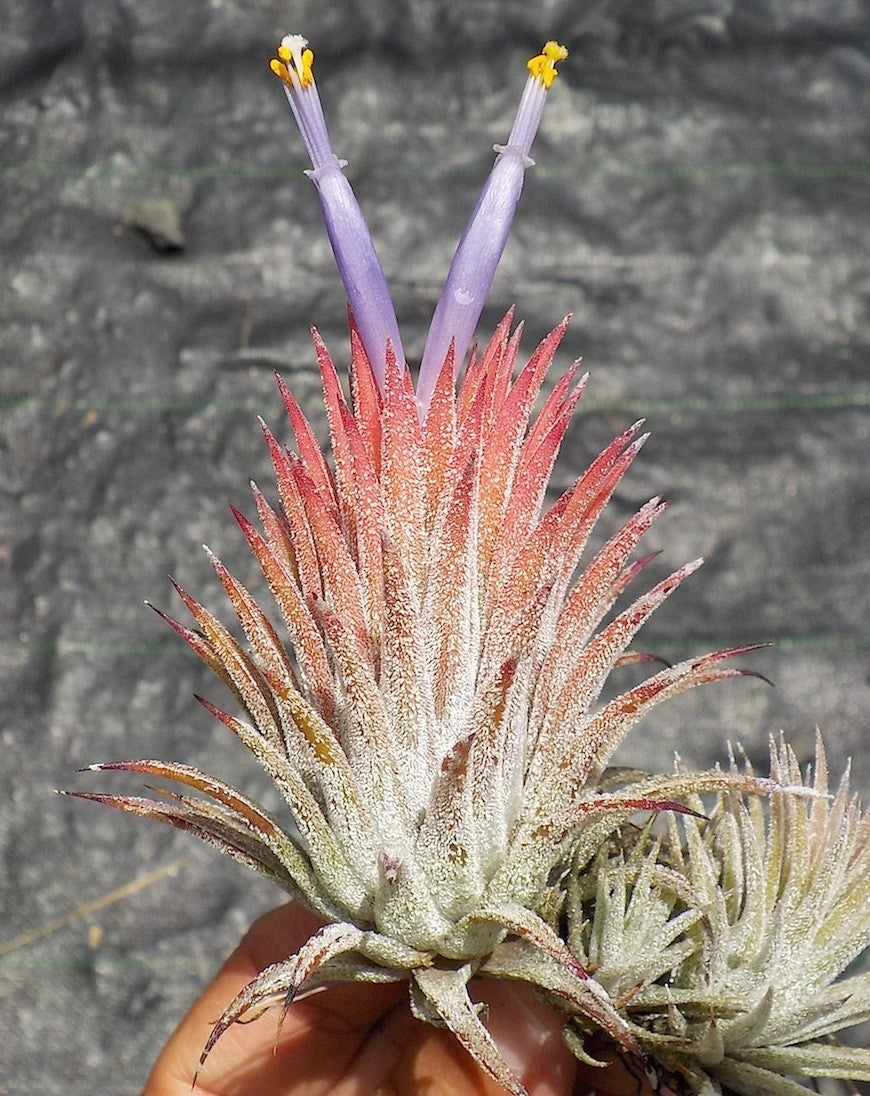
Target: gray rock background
700 204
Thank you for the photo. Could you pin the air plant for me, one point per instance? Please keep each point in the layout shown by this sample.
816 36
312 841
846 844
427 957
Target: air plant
723 943
429 704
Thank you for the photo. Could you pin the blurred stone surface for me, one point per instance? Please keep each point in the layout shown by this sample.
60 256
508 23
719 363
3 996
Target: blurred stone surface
700 204
158 221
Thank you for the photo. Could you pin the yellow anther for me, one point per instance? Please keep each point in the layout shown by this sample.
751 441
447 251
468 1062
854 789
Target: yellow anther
543 66
306 77
555 51
294 61
280 70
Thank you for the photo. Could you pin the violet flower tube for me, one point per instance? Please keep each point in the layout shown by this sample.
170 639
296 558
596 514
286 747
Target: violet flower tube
352 245
486 233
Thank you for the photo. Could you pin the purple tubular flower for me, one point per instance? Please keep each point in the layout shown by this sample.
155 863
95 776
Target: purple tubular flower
486 233
352 245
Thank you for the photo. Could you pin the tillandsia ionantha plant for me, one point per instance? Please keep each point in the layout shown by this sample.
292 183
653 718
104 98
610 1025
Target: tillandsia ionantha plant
428 706
721 943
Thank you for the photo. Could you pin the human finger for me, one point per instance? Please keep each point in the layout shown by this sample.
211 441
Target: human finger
321 1034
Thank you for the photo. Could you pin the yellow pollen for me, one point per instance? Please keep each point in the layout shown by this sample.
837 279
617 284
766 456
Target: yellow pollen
294 60
280 70
543 66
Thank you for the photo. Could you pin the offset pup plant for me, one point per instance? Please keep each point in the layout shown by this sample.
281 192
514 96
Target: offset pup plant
428 705
721 945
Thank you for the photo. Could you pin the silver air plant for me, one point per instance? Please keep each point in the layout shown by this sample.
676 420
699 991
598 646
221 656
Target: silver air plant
722 942
427 698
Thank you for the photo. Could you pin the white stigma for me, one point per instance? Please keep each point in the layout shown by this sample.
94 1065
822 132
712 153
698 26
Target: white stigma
295 43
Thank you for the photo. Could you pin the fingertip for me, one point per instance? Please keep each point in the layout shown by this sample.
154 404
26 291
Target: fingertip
275 936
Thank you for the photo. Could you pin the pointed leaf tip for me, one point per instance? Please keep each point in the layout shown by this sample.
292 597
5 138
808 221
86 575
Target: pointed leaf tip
741 649
755 673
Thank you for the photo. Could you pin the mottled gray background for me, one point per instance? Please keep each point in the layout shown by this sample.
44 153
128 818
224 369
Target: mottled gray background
700 204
